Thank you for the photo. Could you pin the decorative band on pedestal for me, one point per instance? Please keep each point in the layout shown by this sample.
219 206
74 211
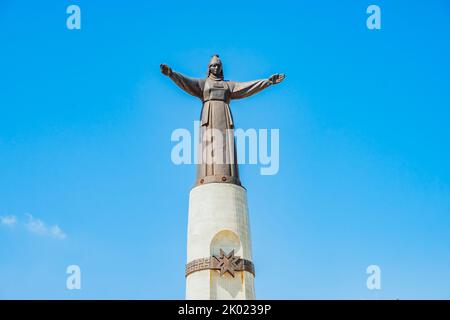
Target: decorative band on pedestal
218 179
224 262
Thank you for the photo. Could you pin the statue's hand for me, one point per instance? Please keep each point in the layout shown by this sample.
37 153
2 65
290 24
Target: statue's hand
277 78
165 69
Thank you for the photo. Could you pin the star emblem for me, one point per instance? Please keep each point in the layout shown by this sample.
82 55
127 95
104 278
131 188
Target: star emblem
228 263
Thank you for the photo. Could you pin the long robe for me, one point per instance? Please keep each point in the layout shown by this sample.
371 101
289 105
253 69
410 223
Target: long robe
217 151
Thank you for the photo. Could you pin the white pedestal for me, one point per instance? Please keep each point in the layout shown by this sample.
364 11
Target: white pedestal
218 219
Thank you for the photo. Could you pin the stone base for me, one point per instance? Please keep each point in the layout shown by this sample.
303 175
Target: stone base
218 219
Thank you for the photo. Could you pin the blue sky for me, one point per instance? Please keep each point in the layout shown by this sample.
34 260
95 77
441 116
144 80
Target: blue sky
85 127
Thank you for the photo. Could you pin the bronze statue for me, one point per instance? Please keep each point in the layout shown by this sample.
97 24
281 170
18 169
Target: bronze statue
219 163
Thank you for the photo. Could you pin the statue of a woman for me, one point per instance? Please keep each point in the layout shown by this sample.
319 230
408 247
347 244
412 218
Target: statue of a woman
217 162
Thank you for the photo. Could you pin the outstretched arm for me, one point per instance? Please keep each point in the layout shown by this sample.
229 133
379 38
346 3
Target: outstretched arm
241 90
190 85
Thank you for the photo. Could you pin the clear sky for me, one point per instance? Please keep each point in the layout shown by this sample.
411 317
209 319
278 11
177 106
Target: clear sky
86 119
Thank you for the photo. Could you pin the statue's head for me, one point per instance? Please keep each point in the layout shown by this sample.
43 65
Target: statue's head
215 67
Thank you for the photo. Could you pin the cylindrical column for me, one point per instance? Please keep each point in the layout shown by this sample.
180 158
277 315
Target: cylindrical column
219 256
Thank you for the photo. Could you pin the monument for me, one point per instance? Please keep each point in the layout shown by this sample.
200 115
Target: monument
219 253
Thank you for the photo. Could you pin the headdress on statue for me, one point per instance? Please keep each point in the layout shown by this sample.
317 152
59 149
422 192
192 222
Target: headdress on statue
215 59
